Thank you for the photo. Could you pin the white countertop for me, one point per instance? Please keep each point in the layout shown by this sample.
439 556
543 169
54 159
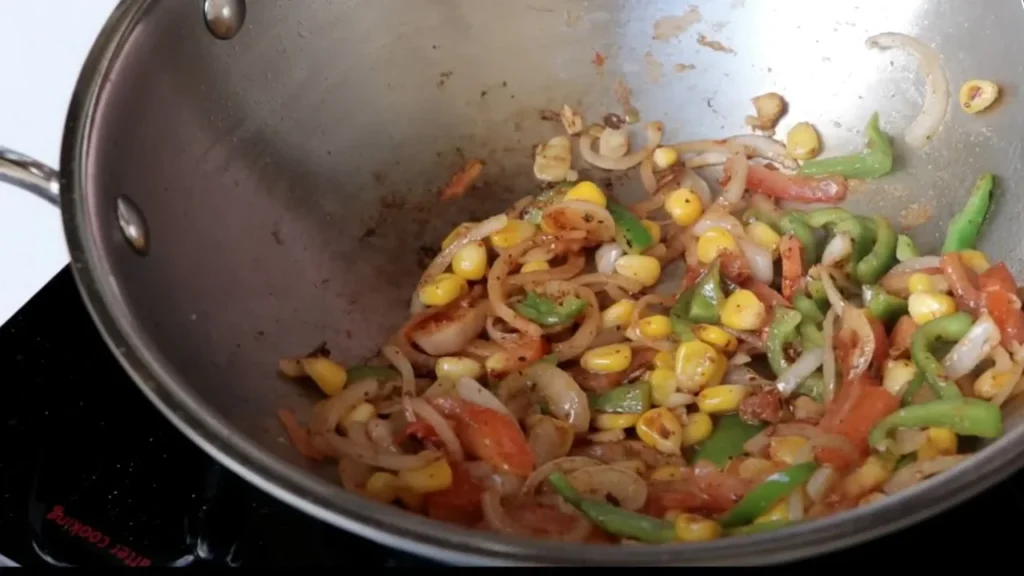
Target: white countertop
43 43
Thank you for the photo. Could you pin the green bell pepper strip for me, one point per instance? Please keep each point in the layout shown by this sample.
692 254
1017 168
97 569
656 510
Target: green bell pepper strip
962 231
767 494
860 230
810 335
382 373
792 223
965 416
632 398
912 388
781 333
950 329
874 162
726 441
905 248
884 306
682 327
546 312
705 308
882 256
755 213
629 231
817 292
808 308
613 519
758 528
813 386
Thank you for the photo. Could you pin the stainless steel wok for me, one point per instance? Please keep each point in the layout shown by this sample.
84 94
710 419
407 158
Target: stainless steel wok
233 193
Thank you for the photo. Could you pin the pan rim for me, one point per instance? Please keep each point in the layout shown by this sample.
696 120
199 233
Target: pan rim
385 524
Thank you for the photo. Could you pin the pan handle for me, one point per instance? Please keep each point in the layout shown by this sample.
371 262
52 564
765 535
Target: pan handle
30 174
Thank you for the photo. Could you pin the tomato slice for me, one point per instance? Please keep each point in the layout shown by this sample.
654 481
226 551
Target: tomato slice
460 503
761 180
902 335
962 282
791 252
860 405
999 291
488 435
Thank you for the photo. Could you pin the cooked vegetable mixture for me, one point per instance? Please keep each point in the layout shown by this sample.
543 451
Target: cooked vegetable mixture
682 369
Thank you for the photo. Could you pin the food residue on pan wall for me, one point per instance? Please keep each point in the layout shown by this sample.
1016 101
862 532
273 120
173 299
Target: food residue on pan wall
714 44
680 68
653 68
669 27
915 215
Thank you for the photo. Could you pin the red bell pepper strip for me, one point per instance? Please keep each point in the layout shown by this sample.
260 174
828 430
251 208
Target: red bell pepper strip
488 435
762 180
999 292
791 253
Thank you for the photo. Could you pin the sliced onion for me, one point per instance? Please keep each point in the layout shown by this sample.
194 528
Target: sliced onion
598 482
837 250
381 434
936 96
341 447
566 400
421 409
564 465
472 391
613 143
628 284
835 298
855 319
629 450
795 506
762 268
908 440
705 159
916 472
694 182
353 474
753 145
503 483
654 131
574 264
718 217
587 331
828 362
328 413
606 257
915 264
736 166
548 437
798 371
441 262
974 347
445 330
579 215
819 484
496 517
744 376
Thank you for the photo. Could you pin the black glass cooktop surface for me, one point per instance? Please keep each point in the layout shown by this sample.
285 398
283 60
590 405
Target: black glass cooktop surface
91 473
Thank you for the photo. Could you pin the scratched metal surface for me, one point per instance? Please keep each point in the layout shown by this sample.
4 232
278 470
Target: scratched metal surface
289 180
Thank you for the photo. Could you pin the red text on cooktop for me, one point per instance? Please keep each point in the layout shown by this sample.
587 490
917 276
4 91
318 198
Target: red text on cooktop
95 537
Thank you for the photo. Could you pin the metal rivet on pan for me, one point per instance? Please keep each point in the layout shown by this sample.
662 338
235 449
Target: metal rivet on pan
224 18
133 225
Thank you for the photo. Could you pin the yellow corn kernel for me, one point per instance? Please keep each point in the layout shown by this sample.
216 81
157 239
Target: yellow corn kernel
992 382
655 327
443 289
653 229
382 487
786 449
328 374
666 473
975 260
433 477
664 360
361 414
663 385
756 468
776 513
457 233
535 266
684 206
921 282
471 262
698 428
713 242
743 311
694 528
605 421
698 365
513 233
721 399
618 314
716 337
587 191
661 430
763 235
898 374
455 367
802 142
665 157
940 442
874 472
927 306
644 269
607 359
976 95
